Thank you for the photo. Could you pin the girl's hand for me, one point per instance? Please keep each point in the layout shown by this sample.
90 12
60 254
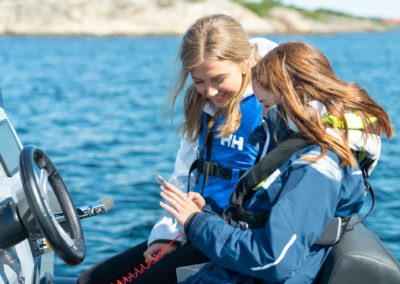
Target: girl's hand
155 249
181 205
198 199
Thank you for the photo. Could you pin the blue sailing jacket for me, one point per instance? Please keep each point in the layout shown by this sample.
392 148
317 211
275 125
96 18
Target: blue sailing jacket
302 198
232 152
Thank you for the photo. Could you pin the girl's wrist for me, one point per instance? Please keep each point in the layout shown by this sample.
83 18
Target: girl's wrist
189 221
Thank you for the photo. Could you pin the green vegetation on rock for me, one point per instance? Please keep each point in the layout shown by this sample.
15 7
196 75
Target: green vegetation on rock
263 7
260 8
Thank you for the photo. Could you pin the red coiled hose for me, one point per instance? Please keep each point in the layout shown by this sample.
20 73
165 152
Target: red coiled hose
131 276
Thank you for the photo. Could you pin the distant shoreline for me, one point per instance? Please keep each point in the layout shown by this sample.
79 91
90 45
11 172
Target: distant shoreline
162 18
66 35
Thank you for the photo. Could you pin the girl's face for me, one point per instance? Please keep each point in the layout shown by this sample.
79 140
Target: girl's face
266 98
218 80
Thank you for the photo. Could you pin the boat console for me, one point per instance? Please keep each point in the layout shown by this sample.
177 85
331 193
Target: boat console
37 215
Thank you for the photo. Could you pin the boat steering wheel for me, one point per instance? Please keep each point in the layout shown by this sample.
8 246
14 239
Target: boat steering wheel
70 247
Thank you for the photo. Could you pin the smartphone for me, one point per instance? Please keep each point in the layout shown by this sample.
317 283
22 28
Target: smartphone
160 179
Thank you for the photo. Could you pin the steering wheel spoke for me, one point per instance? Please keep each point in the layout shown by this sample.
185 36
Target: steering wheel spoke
43 182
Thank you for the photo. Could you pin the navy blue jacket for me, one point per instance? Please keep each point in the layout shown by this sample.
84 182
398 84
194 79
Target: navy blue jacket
302 198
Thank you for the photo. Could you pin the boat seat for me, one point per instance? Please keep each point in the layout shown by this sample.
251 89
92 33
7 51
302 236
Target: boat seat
185 271
359 258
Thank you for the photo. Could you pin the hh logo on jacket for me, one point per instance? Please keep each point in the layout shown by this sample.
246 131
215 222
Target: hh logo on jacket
233 141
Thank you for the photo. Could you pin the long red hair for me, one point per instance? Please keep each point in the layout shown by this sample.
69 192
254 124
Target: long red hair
298 74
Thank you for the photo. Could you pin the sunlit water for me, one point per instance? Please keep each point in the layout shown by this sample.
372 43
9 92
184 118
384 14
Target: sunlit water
97 107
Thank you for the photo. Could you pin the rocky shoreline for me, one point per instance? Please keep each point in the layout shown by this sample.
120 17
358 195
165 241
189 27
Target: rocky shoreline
156 17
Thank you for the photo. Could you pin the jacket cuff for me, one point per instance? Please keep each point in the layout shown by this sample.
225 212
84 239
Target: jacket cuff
189 221
198 224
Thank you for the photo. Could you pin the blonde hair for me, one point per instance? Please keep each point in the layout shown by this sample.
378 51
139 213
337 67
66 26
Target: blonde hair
215 37
298 74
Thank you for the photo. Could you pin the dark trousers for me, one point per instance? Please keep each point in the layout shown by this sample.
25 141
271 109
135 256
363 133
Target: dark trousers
113 269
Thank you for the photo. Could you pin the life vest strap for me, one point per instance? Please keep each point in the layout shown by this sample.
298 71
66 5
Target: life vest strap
215 170
250 181
211 169
246 220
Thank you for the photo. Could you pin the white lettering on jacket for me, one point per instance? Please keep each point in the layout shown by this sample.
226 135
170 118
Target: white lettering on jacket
233 142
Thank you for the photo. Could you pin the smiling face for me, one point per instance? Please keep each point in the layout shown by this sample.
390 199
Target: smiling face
266 98
218 80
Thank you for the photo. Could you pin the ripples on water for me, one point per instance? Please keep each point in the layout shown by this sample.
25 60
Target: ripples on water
96 106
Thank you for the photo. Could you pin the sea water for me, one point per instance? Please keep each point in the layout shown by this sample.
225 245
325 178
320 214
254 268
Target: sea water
97 107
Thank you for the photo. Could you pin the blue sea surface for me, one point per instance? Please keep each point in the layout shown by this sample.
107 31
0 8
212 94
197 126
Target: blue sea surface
97 107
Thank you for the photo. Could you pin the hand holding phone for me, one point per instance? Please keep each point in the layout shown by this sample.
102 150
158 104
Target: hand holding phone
160 179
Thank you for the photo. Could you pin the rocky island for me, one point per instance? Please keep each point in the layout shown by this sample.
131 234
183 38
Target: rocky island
164 17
